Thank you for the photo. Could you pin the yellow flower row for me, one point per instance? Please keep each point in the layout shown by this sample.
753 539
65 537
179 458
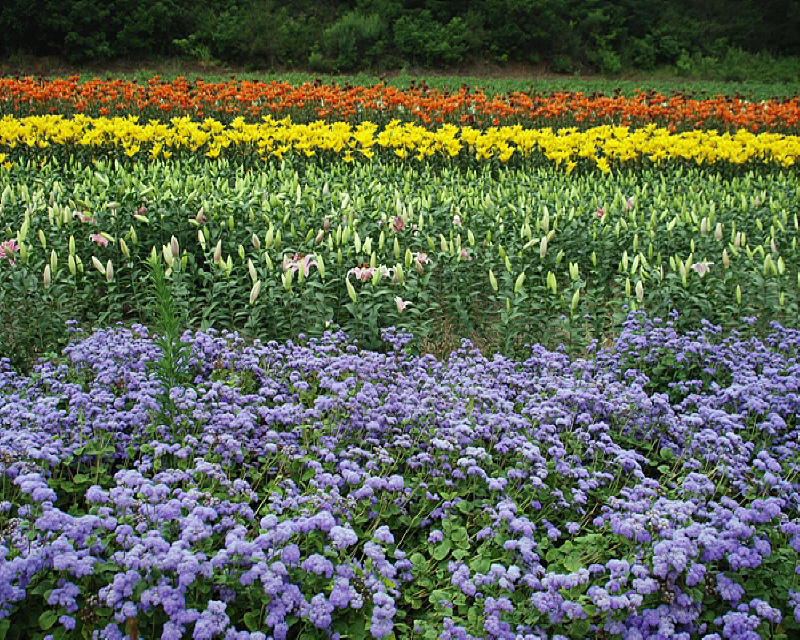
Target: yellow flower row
602 145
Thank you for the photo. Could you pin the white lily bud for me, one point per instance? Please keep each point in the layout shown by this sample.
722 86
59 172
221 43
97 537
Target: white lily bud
543 248
726 261
320 265
718 232
218 252
98 265
256 242
71 264
519 281
252 269
255 291
639 290
109 271
350 290
53 260
166 251
46 277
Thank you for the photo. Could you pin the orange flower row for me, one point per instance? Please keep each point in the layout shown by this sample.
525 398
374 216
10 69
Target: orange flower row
253 99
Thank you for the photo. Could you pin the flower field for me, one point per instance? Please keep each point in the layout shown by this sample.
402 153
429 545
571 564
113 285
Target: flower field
382 363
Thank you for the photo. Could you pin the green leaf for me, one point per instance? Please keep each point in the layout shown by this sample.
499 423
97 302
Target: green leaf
441 551
48 619
252 620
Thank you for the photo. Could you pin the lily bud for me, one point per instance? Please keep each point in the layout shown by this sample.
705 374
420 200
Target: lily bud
71 264
42 239
367 246
350 290
255 291
109 272
241 252
134 237
256 242
627 287
704 227
738 295
493 281
781 266
357 242
640 290
71 246
471 237
98 265
23 252
442 243
268 262
252 269
319 237
409 258
543 248
551 282
401 276
519 281
218 252
173 245
46 277
726 261
718 232
576 297
166 251
573 271
594 258
53 260
286 279
268 238
79 263
320 266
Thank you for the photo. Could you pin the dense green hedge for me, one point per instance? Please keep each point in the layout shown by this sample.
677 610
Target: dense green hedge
350 35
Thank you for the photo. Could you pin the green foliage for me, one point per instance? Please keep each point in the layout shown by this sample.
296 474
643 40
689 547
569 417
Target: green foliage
609 37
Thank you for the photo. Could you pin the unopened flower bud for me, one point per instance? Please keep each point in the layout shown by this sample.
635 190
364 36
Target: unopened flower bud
493 281
46 277
109 271
218 252
718 232
71 264
255 291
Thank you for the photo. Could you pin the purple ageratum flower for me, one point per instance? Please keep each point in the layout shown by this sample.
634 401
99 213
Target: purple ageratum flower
318 564
382 534
342 537
212 621
435 536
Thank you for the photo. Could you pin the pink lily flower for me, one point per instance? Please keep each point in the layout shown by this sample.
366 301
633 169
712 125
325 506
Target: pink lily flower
298 262
83 217
7 250
398 224
401 304
99 238
702 268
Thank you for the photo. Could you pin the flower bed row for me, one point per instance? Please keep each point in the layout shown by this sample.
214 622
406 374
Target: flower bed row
601 147
162 100
511 256
313 487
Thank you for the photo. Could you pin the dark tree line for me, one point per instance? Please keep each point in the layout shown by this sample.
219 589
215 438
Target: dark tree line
351 35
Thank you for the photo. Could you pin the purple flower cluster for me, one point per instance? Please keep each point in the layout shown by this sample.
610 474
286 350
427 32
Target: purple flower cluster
316 484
